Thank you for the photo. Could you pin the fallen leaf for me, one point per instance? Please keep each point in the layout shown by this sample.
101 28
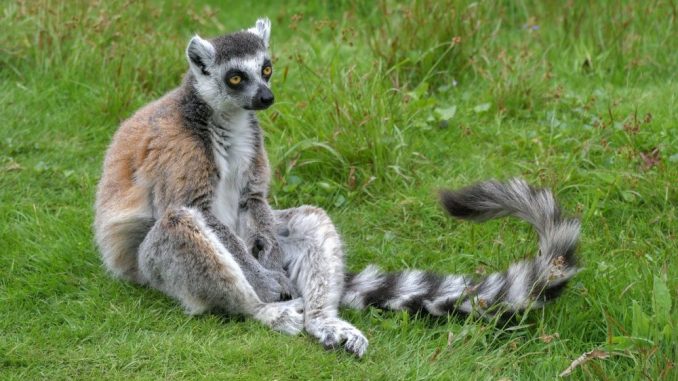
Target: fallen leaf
482 108
583 359
549 338
446 113
351 178
339 201
12 166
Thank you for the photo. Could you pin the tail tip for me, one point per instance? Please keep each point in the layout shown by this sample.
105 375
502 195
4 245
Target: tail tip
452 202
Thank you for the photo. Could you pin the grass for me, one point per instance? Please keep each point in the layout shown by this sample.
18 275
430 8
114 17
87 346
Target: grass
378 106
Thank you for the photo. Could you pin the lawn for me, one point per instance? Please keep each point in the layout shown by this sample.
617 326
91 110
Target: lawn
379 104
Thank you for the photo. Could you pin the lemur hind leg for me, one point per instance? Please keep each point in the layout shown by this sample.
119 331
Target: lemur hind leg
183 258
314 260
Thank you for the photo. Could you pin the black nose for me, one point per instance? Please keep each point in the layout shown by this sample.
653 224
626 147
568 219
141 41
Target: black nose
267 98
263 99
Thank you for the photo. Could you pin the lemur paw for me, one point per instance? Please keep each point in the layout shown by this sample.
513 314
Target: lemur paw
333 333
275 286
287 289
286 317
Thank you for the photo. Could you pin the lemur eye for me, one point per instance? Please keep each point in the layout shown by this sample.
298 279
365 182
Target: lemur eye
235 80
267 71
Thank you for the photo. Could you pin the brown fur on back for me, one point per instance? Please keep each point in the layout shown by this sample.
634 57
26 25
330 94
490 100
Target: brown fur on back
153 163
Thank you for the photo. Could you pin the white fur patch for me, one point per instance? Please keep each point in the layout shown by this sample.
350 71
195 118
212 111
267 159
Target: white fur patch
518 284
203 51
233 154
262 28
367 280
410 286
491 287
452 287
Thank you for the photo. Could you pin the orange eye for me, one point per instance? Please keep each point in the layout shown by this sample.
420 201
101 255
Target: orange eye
235 80
267 71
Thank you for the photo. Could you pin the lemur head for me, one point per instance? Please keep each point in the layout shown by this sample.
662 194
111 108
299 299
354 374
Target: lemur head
233 71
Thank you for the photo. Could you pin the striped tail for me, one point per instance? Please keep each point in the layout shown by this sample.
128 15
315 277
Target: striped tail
528 283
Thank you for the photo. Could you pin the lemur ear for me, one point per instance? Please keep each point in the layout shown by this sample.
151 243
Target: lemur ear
262 28
200 55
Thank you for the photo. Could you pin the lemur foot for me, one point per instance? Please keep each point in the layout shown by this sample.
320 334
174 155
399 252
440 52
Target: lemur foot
286 317
333 333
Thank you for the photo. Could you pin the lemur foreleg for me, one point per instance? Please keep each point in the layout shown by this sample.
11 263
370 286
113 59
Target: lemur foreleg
270 285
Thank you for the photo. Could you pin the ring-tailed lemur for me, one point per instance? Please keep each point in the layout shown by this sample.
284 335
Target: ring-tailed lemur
181 207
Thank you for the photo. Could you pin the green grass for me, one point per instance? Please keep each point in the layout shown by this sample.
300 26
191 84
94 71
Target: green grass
378 106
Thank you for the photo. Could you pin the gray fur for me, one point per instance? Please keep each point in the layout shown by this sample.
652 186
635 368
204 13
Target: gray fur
238 45
262 28
314 260
270 285
201 55
158 226
245 51
180 257
525 284
210 63
197 226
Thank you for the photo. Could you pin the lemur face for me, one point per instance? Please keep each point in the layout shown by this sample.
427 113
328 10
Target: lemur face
233 71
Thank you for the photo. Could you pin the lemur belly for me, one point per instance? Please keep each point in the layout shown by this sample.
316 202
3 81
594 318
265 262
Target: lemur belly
233 148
